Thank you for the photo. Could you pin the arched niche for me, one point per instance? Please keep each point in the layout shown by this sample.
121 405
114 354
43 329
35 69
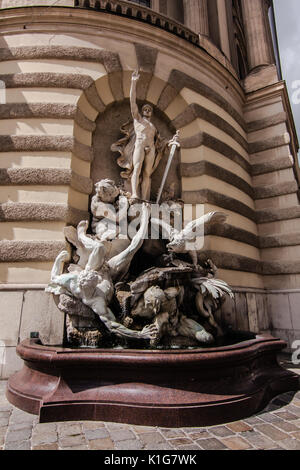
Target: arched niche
108 131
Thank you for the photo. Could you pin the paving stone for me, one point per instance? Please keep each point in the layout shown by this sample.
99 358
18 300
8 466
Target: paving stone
20 426
92 425
69 429
193 430
132 444
270 418
211 444
122 435
180 442
236 443
92 434
101 444
239 426
77 447
4 421
45 427
6 408
20 435
199 435
220 431
189 447
142 429
253 420
21 417
159 446
172 433
53 446
72 441
294 410
286 415
44 438
290 444
23 445
259 441
296 422
287 426
272 432
152 438
116 426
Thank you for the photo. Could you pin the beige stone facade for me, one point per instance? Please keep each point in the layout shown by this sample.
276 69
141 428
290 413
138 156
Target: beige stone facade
65 69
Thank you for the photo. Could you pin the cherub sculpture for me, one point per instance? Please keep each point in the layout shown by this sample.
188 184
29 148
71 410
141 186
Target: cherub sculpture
94 285
103 223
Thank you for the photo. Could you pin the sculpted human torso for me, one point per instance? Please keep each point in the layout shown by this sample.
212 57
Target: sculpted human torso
145 132
144 150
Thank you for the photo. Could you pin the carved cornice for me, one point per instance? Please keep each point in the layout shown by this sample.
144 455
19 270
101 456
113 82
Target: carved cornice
140 13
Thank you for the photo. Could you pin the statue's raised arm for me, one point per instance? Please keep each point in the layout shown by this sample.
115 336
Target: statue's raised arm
134 107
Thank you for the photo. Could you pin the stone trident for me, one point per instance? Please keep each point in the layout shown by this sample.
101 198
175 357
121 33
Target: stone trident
174 144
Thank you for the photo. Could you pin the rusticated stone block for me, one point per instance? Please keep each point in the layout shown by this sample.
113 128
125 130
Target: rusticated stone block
41 314
294 300
279 311
10 314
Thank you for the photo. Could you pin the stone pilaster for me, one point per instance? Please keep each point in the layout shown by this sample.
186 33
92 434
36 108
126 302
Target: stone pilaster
155 5
175 10
256 33
196 16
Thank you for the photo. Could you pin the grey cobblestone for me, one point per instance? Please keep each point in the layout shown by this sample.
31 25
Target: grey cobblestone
92 434
276 428
23 445
131 444
72 441
20 435
44 438
221 431
211 444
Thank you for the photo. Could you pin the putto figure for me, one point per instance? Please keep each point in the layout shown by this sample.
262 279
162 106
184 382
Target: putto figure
141 149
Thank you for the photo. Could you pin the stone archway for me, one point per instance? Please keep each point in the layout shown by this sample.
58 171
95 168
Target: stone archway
108 131
94 133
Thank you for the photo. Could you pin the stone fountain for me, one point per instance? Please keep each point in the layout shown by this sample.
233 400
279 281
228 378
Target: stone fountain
142 342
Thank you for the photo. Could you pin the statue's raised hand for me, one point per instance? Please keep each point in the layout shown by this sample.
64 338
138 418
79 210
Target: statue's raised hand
135 76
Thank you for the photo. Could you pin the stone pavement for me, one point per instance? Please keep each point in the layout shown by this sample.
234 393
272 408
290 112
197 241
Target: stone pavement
277 427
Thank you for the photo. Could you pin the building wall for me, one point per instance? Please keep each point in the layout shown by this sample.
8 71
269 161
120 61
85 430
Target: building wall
61 72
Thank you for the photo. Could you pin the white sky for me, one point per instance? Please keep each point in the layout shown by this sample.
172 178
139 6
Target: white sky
287 13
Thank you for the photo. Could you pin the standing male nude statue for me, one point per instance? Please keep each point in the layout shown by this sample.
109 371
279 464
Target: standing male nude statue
144 154
141 149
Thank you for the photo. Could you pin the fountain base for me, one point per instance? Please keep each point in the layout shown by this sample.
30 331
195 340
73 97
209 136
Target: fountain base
178 388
